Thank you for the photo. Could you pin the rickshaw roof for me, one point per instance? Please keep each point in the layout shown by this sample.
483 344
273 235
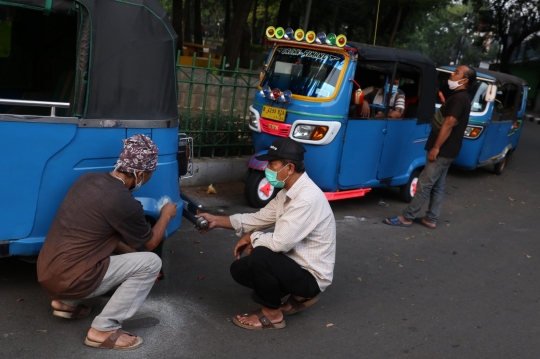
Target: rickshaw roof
380 53
126 57
493 75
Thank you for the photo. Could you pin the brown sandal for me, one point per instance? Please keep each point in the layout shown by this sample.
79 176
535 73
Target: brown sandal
298 306
80 311
110 342
265 322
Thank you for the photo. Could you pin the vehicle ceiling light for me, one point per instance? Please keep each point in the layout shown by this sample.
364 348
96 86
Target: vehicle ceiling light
289 34
341 40
276 93
266 91
299 35
321 38
280 32
285 96
310 36
331 39
270 31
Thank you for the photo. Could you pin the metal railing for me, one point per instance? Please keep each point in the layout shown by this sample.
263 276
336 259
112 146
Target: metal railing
214 106
52 105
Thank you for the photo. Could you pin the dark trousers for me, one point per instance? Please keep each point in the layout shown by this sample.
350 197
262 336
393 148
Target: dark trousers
272 276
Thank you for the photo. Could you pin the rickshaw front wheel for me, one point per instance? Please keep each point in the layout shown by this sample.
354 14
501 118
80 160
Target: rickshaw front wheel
258 191
407 191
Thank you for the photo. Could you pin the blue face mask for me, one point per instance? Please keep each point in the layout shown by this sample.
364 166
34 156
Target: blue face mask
271 176
137 185
394 88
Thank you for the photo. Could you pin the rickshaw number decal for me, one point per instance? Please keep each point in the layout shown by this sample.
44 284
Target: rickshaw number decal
274 113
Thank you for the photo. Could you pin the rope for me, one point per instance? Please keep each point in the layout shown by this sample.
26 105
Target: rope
376 23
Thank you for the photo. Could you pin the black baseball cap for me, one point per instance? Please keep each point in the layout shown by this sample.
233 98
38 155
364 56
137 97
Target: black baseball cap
284 148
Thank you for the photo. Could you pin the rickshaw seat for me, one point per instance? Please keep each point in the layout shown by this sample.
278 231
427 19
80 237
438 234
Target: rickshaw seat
411 107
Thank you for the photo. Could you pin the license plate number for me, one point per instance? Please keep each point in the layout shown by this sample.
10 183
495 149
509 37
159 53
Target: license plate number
274 113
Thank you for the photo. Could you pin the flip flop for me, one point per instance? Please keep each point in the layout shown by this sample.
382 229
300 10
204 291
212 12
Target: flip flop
265 322
396 222
110 342
421 222
79 312
298 306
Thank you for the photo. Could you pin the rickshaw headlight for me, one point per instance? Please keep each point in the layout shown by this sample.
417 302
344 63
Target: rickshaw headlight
310 132
473 131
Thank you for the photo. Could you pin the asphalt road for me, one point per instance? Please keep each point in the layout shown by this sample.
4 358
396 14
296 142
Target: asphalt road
468 289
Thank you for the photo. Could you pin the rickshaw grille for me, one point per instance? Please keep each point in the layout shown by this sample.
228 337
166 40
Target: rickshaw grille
275 128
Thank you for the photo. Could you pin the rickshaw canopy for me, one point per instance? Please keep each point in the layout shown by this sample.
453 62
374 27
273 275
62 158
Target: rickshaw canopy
125 57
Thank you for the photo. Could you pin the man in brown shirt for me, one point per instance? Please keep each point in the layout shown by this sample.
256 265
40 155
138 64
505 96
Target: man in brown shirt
97 217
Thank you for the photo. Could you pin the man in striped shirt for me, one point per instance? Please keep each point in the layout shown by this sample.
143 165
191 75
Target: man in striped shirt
297 258
376 97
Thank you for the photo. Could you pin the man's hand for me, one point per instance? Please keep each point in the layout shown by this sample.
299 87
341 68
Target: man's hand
365 109
213 222
432 154
169 210
243 244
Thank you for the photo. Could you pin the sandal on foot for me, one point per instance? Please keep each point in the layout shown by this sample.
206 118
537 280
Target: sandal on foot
396 222
421 222
80 311
110 342
265 322
298 306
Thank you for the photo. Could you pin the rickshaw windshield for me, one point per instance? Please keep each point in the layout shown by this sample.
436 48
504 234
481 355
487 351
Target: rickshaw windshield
305 72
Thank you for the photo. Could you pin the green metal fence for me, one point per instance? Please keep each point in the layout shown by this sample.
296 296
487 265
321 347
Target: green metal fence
213 104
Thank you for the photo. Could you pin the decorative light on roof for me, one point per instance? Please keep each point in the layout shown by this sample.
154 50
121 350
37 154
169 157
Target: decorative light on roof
309 37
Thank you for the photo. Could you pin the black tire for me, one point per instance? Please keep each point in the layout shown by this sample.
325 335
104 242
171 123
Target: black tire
254 196
406 192
499 167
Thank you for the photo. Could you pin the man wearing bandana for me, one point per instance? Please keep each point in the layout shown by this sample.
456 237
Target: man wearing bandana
296 259
98 217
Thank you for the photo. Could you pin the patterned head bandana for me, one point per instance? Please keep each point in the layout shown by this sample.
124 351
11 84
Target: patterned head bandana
139 154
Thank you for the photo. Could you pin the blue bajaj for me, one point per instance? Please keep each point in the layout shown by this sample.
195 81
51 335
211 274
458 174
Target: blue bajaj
314 93
77 77
498 104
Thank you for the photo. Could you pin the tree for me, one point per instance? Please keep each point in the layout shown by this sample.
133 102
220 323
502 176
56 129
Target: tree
197 22
177 15
237 31
508 21
187 21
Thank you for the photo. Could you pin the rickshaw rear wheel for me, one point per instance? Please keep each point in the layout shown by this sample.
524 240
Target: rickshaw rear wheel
499 167
407 191
258 191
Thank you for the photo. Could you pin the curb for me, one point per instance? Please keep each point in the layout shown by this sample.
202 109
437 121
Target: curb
208 171
534 119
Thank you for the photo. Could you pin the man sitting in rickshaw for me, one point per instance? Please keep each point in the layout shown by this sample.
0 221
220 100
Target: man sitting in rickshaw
374 101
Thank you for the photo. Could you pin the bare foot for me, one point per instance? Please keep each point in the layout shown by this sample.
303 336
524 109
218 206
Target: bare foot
428 223
404 220
273 315
58 305
98 336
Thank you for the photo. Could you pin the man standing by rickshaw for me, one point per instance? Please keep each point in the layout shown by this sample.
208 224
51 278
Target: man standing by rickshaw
443 145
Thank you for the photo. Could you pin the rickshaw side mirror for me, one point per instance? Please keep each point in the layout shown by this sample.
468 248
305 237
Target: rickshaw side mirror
491 93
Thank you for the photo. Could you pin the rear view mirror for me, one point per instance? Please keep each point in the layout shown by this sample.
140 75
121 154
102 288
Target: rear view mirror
491 93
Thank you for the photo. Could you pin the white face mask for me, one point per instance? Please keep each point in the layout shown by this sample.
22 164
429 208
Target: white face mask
454 84
137 185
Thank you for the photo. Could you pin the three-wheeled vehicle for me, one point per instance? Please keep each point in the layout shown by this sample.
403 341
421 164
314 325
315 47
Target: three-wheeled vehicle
498 104
310 93
77 77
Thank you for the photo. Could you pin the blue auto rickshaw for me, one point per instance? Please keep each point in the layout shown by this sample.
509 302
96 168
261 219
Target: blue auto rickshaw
77 77
311 89
498 104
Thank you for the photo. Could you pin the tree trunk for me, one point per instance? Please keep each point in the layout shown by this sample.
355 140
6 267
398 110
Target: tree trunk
265 21
237 31
254 21
177 15
282 18
197 22
394 31
227 22
187 21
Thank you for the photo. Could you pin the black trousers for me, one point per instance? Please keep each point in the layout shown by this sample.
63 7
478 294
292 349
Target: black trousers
272 276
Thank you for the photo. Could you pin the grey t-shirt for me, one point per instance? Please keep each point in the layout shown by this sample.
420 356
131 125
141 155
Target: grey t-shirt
96 214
